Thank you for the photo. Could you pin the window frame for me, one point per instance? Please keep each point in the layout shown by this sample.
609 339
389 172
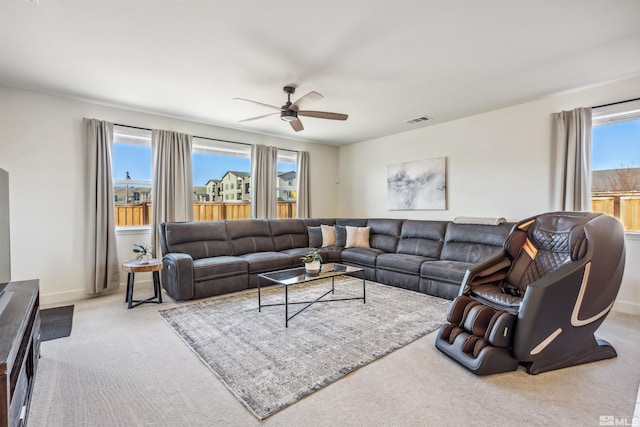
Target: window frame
615 113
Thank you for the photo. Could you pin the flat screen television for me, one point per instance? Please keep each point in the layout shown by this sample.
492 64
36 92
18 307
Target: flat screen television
5 245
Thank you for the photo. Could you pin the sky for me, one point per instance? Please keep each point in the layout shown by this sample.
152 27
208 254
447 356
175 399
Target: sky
614 146
205 166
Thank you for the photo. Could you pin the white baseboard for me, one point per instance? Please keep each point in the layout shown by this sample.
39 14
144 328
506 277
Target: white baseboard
56 298
627 307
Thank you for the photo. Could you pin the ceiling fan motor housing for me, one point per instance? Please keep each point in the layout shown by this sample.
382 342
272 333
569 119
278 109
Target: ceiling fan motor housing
287 114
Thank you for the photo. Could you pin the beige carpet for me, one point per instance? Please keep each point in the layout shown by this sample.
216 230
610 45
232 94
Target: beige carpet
125 367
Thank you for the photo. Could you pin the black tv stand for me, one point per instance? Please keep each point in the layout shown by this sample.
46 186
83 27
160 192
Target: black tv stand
19 350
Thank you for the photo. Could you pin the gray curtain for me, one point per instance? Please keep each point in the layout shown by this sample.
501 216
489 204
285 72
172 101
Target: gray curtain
572 140
302 190
264 182
172 185
104 271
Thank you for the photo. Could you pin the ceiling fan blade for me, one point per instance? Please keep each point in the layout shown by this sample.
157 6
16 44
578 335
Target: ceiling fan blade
297 125
323 115
273 107
309 98
259 117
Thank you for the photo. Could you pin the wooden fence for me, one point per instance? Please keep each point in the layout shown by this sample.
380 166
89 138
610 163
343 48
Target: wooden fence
624 206
132 214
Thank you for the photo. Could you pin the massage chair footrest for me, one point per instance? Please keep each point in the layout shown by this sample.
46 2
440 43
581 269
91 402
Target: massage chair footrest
487 360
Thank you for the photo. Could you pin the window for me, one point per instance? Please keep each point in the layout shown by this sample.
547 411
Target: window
221 179
132 176
287 183
219 171
615 168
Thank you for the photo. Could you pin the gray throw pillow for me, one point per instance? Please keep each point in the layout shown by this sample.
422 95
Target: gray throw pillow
315 237
341 236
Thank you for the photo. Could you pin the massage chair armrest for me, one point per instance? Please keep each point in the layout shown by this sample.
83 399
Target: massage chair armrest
546 310
492 269
177 276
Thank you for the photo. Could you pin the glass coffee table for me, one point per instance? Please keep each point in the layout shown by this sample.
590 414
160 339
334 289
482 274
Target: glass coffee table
298 276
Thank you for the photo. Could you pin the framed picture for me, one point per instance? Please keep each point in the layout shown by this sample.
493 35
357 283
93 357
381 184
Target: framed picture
418 185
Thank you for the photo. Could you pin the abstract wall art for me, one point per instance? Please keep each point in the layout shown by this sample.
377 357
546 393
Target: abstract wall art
417 185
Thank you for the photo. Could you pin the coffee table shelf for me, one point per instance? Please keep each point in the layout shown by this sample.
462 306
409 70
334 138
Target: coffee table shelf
298 276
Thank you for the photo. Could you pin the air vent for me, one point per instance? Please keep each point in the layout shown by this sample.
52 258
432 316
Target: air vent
418 120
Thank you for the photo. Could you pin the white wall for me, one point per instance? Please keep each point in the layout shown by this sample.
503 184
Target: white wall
498 164
41 147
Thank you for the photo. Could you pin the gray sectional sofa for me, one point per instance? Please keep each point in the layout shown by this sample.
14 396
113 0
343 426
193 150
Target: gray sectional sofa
203 259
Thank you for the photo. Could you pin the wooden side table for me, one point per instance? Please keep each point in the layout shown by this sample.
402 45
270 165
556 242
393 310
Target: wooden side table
134 266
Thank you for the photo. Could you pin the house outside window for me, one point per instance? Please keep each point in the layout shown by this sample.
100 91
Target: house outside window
219 169
615 169
287 183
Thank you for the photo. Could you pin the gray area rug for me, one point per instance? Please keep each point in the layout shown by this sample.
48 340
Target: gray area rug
269 367
56 322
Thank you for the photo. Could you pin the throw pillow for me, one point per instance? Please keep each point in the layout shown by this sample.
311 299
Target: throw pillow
341 235
357 237
328 236
315 237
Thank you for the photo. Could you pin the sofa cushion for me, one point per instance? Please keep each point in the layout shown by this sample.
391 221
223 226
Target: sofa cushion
361 256
445 270
385 233
288 233
198 239
296 254
315 236
328 235
221 266
341 235
317 222
471 243
260 262
423 238
353 222
357 237
403 263
331 254
249 236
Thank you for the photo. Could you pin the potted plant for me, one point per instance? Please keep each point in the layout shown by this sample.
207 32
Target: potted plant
143 252
312 261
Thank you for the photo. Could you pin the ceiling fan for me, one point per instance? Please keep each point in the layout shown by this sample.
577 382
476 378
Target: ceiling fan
290 112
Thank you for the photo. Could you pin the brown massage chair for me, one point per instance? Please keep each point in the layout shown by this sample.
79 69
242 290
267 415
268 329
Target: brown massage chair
539 301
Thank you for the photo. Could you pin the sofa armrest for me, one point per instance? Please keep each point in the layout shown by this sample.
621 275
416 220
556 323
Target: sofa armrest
492 269
177 276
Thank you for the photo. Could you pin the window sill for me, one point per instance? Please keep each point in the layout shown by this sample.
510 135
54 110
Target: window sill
143 229
632 235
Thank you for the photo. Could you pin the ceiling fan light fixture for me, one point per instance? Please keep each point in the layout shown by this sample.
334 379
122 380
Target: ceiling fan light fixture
288 116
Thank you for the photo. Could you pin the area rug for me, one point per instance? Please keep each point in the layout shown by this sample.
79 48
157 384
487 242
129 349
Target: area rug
269 367
56 322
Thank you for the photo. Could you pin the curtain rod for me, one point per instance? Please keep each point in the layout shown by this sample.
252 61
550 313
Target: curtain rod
195 136
616 103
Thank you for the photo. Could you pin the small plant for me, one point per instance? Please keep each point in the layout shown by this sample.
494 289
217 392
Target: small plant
312 255
141 250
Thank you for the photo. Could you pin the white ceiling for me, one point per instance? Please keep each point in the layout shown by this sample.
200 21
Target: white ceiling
382 62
